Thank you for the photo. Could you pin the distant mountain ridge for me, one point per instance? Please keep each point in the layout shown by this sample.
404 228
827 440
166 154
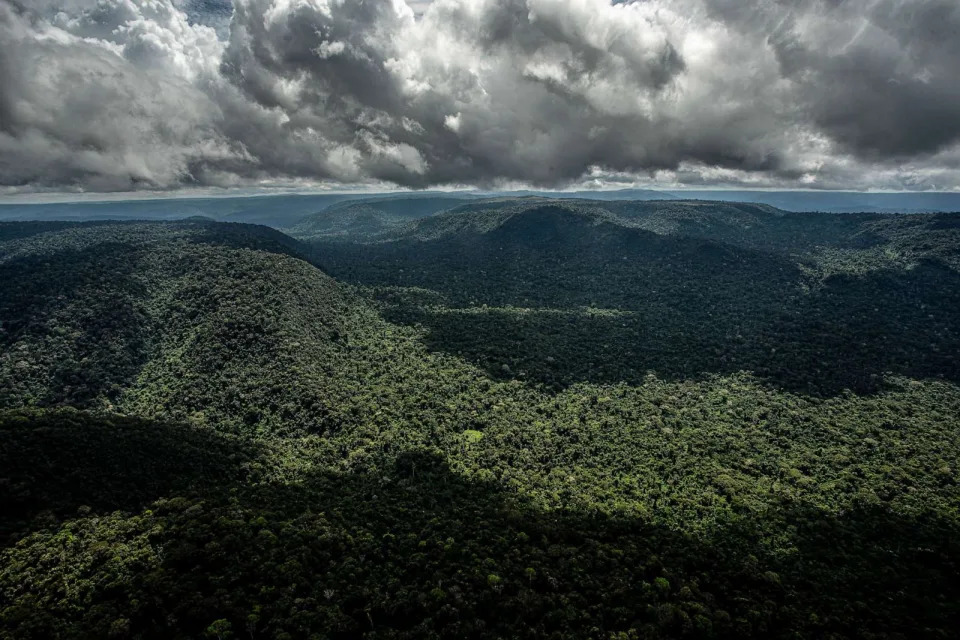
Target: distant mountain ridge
836 201
747 225
277 211
371 218
724 276
288 211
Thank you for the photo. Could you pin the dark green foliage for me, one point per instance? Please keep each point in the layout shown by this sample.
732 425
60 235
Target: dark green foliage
82 307
567 291
632 459
57 464
369 219
419 552
72 328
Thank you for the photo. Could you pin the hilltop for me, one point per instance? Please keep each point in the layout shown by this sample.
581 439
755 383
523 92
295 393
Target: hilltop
369 219
214 322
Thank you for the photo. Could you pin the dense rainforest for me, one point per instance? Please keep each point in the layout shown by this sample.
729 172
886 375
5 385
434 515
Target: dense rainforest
511 418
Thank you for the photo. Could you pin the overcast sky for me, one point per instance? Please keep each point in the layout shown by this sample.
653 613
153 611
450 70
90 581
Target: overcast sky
123 95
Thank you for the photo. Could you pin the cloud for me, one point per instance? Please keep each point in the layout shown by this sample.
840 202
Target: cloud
107 99
162 94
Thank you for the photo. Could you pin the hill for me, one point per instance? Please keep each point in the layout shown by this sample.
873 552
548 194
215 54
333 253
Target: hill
753 226
369 219
213 322
202 434
610 294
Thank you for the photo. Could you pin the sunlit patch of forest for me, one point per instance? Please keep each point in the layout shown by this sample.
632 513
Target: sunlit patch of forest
518 418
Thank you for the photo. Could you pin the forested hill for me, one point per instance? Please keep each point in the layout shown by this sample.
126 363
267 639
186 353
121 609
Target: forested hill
369 219
679 289
214 322
752 226
543 422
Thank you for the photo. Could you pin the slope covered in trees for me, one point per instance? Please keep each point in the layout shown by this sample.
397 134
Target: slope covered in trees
202 434
370 219
560 292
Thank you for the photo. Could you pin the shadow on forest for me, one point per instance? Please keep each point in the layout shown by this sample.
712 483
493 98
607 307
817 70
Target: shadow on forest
54 462
414 550
846 335
74 323
17 230
677 307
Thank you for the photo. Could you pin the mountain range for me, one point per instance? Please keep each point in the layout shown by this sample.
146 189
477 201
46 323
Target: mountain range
286 211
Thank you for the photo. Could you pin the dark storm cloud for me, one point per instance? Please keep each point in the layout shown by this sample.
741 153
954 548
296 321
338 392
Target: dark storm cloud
884 86
124 94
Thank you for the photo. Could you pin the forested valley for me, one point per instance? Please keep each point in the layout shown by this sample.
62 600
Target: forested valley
506 418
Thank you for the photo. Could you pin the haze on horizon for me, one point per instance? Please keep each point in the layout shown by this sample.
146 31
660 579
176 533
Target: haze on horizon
185 95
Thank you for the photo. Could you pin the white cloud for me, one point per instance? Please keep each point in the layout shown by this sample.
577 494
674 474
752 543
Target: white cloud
130 94
452 122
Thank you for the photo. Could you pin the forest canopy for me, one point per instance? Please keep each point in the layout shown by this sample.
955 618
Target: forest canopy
521 417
